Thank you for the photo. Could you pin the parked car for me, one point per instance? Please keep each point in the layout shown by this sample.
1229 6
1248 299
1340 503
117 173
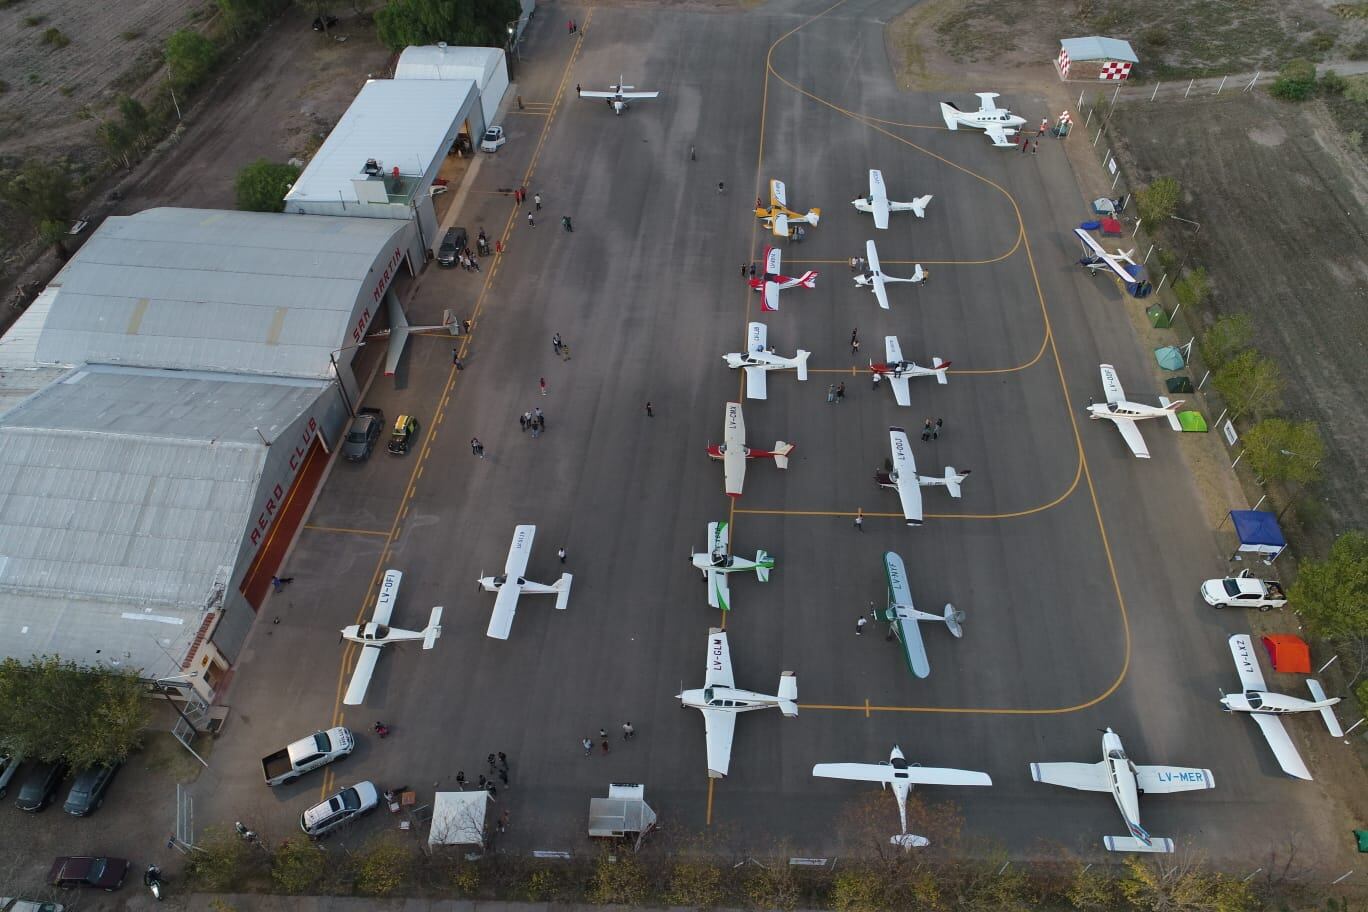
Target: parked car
39 785
88 789
342 808
1244 591
88 871
453 242
8 764
405 429
10 904
365 429
306 754
493 138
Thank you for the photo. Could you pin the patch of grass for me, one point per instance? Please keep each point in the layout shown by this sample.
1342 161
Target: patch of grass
66 90
31 21
131 35
34 78
54 37
162 753
4 87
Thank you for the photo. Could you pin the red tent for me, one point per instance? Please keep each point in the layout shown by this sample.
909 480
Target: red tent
1288 653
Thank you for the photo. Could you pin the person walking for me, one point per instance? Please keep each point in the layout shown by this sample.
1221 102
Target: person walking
522 421
854 336
926 430
531 222
744 267
542 383
565 351
1035 146
503 759
588 746
460 779
538 417
474 263
859 519
628 732
536 201
860 625
874 381
556 343
854 263
565 221
831 393
605 745
476 447
503 822
692 156
854 347
650 411
280 582
560 552
603 733
940 423
490 759
721 188
578 90
840 391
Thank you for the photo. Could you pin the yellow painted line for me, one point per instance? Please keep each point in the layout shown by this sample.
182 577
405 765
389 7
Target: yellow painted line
711 783
339 530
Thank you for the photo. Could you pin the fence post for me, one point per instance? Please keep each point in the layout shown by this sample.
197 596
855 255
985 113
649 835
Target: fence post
1257 73
1222 85
1156 90
1189 88
1081 92
1327 664
1099 135
1116 94
1162 280
1147 252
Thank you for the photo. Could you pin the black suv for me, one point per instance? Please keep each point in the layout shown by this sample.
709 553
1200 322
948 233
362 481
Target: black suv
453 242
88 789
40 785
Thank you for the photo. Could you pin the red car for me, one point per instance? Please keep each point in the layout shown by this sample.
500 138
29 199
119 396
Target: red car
85 871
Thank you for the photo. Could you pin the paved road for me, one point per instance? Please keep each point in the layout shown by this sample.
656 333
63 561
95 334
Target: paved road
1078 575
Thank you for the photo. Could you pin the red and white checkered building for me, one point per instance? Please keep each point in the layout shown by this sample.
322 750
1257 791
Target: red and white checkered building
1107 59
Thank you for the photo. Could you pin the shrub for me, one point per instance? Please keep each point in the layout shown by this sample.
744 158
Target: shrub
619 879
1332 83
262 185
1355 139
131 35
697 884
1154 37
1224 339
1321 42
1361 692
1359 50
1356 89
298 865
31 21
191 57
1296 81
54 38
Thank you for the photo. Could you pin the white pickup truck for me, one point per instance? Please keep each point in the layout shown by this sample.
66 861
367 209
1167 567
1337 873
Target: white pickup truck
306 754
1244 591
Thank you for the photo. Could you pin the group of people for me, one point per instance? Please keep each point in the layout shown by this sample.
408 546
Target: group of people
628 733
534 421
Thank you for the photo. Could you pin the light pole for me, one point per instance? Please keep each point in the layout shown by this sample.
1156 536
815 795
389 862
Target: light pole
514 39
337 375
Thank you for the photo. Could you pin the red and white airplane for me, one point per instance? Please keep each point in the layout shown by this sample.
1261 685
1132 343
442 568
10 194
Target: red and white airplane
896 370
733 451
771 283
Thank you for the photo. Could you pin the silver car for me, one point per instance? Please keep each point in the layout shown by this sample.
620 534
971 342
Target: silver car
341 808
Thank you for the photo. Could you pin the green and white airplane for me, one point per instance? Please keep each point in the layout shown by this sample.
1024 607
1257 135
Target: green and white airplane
903 618
717 562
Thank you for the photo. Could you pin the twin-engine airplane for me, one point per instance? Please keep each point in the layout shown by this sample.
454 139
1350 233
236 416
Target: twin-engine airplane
998 123
1265 707
717 562
1125 781
896 370
1096 258
874 278
719 700
878 203
1124 414
733 451
778 217
619 96
757 361
901 776
771 283
903 617
378 634
512 584
905 480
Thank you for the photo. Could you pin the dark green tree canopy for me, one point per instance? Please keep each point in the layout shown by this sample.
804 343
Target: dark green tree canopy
51 708
262 185
479 23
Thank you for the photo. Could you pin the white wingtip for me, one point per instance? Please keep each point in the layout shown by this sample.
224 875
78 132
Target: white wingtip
940 367
781 453
803 363
434 628
909 841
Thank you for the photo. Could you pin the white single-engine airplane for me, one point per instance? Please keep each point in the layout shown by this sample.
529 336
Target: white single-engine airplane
905 480
998 123
1125 781
771 283
1265 707
901 776
903 617
1124 414
378 634
512 584
619 96
720 701
757 361
733 451
878 203
778 217
896 370
874 278
1096 257
717 562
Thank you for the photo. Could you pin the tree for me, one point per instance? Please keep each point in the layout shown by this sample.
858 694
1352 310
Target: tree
1224 339
1159 200
619 879
1184 886
1280 450
1091 889
51 708
190 57
479 23
1296 81
135 118
382 867
1193 289
262 185
219 862
245 17
1250 382
298 864
771 888
1332 595
40 192
117 141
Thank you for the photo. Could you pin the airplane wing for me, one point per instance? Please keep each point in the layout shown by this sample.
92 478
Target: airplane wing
771 293
909 491
1161 779
719 661
1283 748
734 457
361 675
756 387
389 594
719 592
640 94
916 775
892 350
1134 439
734 427
757 335
519 551
908 631
505 606
879 196
777 195
1247 663
1111 385
998 135
1100 252
398 334
1086 777
588 94
987 101
718 727
773 260
893 355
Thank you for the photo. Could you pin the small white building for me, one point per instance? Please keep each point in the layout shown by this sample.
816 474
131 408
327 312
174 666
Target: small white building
486 67
1095 57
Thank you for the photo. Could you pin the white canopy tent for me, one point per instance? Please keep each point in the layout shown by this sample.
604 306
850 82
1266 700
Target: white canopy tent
458 818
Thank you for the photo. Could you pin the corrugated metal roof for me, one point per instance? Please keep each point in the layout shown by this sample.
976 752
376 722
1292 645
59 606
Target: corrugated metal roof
1096 47
436 61
400 123
124 494
199 289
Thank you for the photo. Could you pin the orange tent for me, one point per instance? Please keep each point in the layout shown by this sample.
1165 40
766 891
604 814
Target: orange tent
1288 653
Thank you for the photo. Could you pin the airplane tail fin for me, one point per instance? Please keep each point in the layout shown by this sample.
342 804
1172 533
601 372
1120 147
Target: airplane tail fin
954 479
940 368
764 563
1327 712
951 115
909 841
918 274
781 453
434 628
802 359
919 205
562 587
954 620
814 215
808 279
1156 844
788 694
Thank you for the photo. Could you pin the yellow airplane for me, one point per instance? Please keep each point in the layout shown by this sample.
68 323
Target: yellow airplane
778 217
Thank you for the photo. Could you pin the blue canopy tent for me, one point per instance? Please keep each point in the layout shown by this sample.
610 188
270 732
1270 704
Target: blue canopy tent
1259 533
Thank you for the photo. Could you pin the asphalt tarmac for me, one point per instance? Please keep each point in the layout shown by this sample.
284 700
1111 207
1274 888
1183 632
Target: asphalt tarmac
1077 565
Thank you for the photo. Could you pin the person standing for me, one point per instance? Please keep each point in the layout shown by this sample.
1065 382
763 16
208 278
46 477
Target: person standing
940 423
460 779
578 90
860 625
536 201
605 745
859 519
854 336
531 222
752 269
854 263
854 347
522 420
588 746
538 417
831 393
840 391
744 267
628 732
503 777
874 381
476 447
926 430
1035 146
542 383
503 759
556 343
650 412
560 552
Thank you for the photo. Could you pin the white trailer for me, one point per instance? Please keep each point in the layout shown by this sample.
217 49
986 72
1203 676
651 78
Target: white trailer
623 814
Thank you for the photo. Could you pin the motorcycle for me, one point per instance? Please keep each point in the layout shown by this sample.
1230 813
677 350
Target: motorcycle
382 729
152 880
